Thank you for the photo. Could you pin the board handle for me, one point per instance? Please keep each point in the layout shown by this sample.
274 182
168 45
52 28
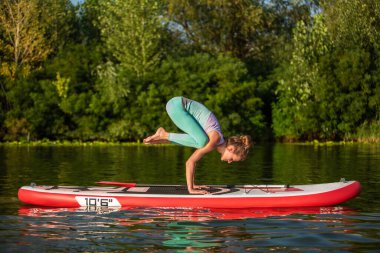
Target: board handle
117 183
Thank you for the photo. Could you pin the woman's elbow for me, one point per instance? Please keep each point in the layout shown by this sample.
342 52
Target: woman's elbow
190 163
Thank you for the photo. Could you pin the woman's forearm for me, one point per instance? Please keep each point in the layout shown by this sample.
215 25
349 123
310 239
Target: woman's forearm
190 168
191 164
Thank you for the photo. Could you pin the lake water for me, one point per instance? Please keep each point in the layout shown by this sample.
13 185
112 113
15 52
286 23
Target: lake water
350 227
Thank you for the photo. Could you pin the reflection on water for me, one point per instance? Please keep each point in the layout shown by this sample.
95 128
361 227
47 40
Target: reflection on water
165 229
186 214
352 227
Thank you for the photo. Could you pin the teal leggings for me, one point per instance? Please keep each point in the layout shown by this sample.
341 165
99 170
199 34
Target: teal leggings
194 135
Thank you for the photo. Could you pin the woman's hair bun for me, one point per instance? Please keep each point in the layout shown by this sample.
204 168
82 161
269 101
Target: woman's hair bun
246 141
242 143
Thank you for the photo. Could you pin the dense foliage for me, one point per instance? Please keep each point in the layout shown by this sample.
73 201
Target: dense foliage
103 70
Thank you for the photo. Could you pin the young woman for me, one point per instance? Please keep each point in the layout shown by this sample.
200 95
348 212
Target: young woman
203 132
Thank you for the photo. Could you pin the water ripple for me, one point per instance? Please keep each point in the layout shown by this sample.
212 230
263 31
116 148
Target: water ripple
352 228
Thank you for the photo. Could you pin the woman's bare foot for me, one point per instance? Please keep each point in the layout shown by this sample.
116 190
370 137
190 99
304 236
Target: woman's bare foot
161 136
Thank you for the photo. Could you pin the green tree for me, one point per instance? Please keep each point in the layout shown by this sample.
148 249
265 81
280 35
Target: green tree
59 22
24 44
328 88
220 26
33 30
294 114
72 77
353 23
220 82
355 29
131 31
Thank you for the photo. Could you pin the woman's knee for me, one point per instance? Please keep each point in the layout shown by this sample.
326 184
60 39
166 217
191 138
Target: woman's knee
202 141
173 103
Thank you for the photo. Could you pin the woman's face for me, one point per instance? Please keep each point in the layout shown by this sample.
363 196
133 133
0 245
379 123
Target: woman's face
229 155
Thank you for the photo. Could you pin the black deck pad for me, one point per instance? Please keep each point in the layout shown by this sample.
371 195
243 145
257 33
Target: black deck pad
178 190
152 189
75 188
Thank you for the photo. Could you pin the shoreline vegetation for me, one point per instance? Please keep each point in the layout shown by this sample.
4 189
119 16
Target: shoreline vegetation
102 71
66 143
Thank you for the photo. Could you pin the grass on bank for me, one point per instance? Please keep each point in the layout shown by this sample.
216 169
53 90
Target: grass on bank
110 143
46 142
367 133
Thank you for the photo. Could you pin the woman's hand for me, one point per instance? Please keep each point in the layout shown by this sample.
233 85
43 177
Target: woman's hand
194 191
201 187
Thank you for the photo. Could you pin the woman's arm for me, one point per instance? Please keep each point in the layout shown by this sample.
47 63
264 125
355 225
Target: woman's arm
196 156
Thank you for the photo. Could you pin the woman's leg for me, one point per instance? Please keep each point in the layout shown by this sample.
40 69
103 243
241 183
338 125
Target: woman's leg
194 135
